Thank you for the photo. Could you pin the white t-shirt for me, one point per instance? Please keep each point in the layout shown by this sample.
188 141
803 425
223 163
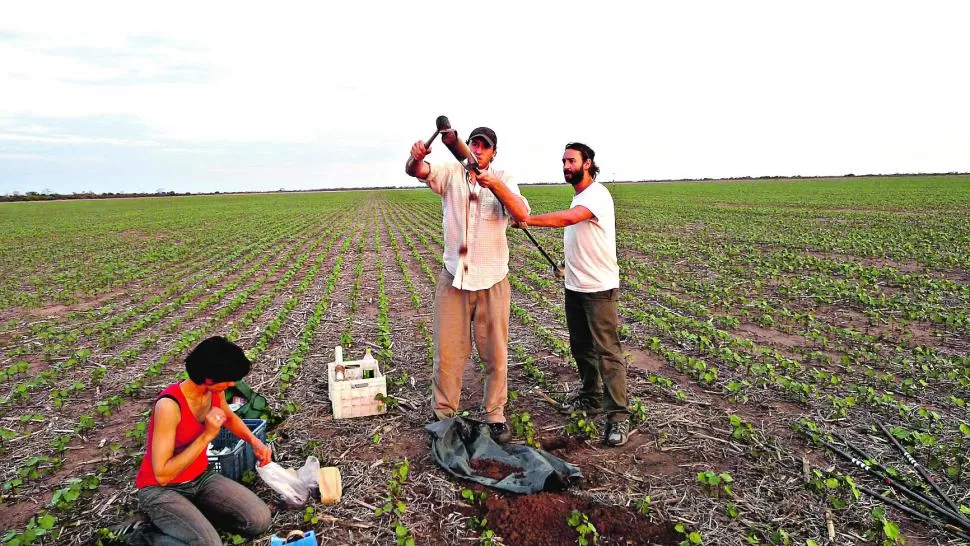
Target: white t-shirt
591 244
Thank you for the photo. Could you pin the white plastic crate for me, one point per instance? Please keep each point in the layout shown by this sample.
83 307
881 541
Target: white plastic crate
355 396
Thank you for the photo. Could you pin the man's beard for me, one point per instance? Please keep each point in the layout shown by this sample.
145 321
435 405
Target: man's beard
573 177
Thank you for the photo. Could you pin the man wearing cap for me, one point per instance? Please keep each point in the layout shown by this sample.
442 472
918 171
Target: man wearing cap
473 290
592 285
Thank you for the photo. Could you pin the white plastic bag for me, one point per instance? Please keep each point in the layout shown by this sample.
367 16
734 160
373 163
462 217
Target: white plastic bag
293 485
308 472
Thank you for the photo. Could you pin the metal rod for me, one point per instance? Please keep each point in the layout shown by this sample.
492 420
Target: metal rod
919 469
533 239
426 144
915 513
893 483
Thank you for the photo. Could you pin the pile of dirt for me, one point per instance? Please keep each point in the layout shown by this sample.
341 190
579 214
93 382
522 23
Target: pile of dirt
540 520
493 469
561 444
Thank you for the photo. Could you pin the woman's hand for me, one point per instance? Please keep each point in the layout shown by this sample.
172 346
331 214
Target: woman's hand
262 451
214 421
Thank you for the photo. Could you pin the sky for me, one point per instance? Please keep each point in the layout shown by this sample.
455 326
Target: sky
239 96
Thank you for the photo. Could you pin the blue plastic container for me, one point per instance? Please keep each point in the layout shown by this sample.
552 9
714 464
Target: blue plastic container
241 458
309 539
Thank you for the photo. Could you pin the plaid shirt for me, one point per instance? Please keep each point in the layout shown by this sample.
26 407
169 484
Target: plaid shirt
477 222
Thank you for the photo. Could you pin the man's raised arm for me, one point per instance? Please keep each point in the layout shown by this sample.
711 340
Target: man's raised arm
417 166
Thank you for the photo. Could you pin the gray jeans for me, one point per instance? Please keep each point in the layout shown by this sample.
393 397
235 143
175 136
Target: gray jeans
592 321
181 513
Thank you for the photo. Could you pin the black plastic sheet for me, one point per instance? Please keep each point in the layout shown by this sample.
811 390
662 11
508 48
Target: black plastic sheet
456 442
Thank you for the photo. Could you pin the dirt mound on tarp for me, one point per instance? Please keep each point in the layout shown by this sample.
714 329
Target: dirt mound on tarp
494 469
540 520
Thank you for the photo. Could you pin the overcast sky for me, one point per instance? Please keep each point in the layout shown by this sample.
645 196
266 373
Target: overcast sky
203 96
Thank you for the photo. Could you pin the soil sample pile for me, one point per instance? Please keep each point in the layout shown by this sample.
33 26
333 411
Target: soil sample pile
540 520
496 470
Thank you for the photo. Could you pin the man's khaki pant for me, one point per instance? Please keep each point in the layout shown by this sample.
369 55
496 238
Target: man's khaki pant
455 312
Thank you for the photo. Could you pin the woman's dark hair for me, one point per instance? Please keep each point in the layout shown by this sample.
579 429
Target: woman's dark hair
217 359
587 153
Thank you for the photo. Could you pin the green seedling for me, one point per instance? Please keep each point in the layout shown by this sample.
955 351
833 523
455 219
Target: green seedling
587 531
716 483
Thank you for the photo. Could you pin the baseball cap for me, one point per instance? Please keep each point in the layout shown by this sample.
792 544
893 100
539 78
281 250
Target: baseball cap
485 134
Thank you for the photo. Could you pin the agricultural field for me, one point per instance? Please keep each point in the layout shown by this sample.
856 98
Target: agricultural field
756 318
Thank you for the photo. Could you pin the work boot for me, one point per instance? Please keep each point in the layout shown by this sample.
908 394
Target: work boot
500 432
582 403
126 531
617 433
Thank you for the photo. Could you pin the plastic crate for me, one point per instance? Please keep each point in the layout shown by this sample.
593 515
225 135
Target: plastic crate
355 396
241 458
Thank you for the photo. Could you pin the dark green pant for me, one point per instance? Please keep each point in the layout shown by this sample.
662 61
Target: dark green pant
591 317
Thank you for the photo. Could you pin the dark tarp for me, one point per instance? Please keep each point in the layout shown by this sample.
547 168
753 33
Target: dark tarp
456 442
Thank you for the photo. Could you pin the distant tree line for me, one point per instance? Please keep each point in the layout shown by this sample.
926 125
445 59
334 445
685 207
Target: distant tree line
48 196
42 196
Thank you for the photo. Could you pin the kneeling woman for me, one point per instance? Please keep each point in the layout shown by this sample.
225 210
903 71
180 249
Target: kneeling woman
181 496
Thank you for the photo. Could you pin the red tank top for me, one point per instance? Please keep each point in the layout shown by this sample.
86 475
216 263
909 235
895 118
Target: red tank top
186 432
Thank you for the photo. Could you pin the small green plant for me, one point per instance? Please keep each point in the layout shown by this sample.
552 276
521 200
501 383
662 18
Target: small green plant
741 430
138 432
472 497
638 412
234 539
104 537
524 427
7 434
587 531
477 524
389 401
32 469
65 497
690 537
480 526
624 331
779 537
310 516
643 505
839 490
399 380
402 535
736 390
716 483
579 424
84 424
488 538
36 529
106 406
812 430
393 505
888 530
